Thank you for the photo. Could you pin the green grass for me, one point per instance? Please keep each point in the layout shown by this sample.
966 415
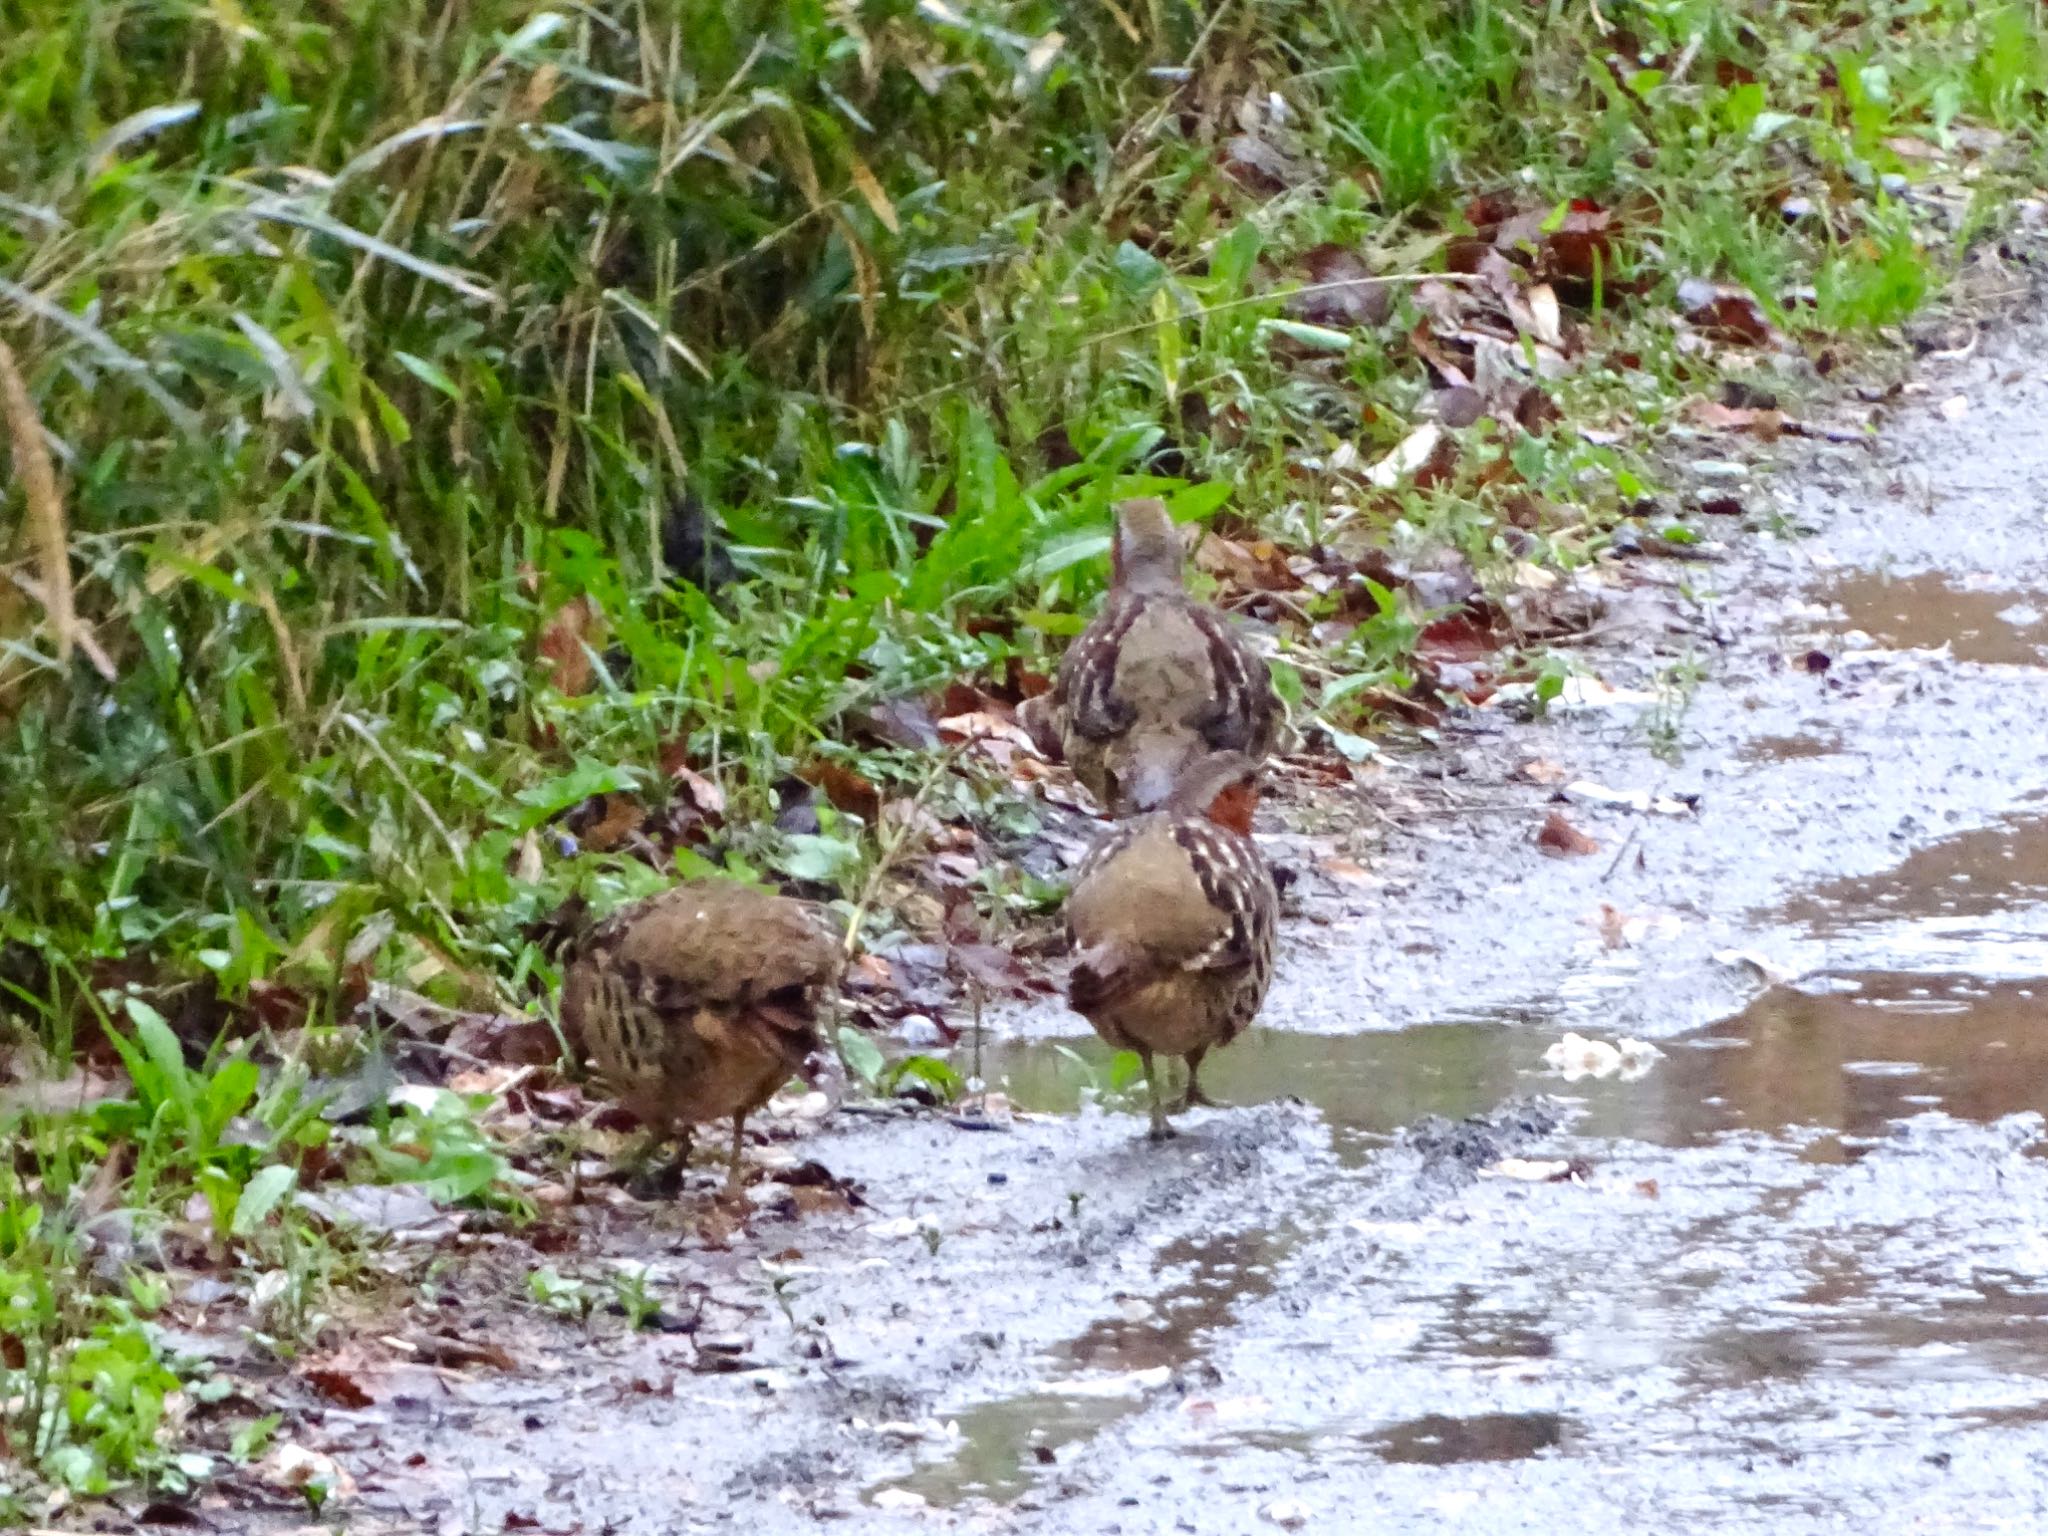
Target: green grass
365 337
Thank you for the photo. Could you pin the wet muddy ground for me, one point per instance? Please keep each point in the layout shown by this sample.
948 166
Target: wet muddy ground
1792 1277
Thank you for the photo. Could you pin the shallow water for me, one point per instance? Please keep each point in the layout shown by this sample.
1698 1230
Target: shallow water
1978 618
1771 1261
1849 1052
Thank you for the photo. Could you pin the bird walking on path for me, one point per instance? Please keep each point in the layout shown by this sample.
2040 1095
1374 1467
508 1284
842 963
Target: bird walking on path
1172 921
1156 682
698 1003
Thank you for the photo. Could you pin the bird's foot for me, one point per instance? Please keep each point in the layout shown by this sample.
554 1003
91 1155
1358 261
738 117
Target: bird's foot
1162 1130
1196 1098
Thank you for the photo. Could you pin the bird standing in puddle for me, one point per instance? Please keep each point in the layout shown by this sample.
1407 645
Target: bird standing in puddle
1172 921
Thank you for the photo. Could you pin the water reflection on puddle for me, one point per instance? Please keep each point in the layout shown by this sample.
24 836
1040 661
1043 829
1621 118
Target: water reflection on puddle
1006 1445
1978 619
1868 1050
1433 1439
1871 1048
1987 877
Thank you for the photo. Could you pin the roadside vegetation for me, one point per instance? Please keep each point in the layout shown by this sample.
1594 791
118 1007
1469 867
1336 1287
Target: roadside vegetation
462 456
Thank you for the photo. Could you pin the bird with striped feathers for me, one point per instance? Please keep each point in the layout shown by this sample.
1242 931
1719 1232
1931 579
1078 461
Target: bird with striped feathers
1172 921
1156 682
698 1003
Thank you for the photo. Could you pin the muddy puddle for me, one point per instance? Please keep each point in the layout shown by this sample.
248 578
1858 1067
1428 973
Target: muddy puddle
1430 1440
1978 618
1804 1082
1104 1373
1848 1052
1994 874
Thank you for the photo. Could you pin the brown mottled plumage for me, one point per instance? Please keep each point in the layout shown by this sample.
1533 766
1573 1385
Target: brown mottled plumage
1157 681
698 1003
1172 920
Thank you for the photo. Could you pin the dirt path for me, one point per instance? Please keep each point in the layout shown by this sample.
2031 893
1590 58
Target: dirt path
1793 1279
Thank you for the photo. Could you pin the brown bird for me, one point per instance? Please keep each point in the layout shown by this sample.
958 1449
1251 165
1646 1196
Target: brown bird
698 1003
1172 919
1156 681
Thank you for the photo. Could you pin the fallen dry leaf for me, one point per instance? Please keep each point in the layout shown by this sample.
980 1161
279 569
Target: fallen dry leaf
337 1386
1560 839
403 1211
1546 320
1258 166
1725 312
984 727
850 792
1767 423
1586 792
606 821
454 1353
1347 871
296 1470
1407 458
704 794
905 722
1342 290
566 641
1260 566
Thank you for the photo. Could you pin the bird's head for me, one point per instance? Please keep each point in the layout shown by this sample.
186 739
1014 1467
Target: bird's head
1222 787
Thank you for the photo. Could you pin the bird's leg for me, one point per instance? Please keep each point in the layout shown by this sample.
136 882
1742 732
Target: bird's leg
734 1183
1194 1095
1160 1131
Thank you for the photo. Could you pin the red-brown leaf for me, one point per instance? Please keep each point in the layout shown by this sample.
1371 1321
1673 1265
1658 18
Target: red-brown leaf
1561 840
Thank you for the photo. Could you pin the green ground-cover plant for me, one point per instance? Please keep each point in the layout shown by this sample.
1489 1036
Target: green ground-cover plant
366 339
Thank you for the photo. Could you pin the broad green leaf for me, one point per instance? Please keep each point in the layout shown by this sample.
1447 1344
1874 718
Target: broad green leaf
1137 269
822 860
1354 749
230 1090
428 374
165 1054
930 1069
260 1197
862 1056
542 801
1231 259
